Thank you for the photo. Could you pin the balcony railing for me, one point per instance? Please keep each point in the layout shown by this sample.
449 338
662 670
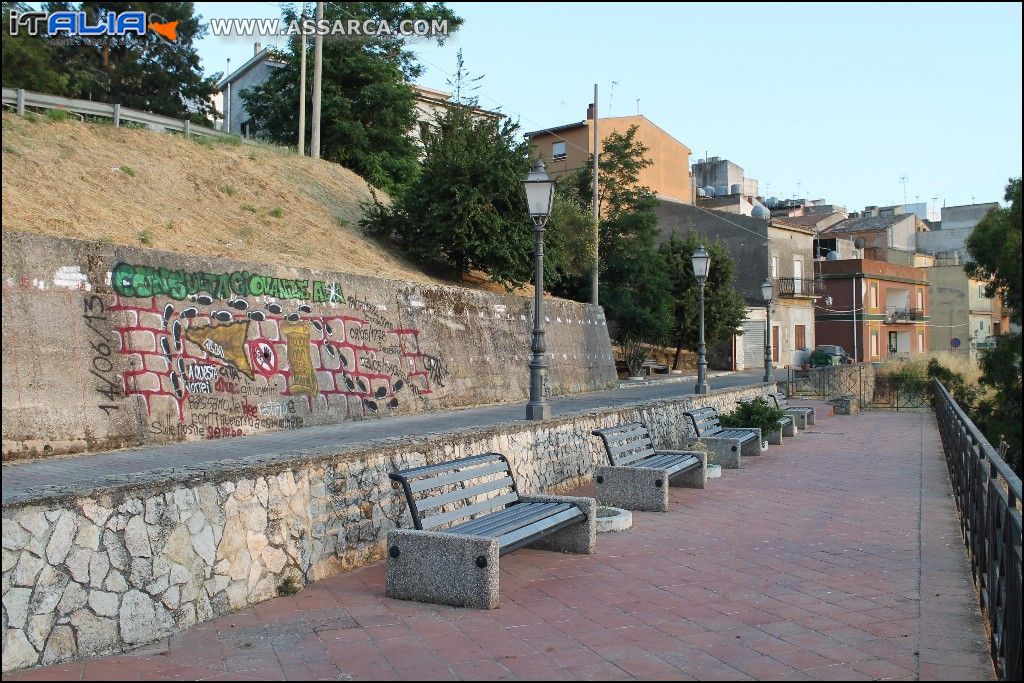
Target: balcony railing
795 287
896 314
988 495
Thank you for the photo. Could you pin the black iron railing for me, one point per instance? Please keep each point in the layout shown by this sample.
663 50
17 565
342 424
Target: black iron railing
894 314
798 287
988 495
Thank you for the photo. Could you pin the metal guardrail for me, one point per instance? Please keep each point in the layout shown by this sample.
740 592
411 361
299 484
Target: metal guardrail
798 287
895 314
22 99
988 494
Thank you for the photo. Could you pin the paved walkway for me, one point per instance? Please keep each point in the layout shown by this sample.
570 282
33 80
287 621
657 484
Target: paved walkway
835 556
80 474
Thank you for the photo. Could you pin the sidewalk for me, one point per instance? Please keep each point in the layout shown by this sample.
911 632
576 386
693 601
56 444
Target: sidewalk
55 476
834 556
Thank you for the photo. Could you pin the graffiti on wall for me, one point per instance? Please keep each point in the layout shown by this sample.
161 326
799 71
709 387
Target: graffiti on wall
214 355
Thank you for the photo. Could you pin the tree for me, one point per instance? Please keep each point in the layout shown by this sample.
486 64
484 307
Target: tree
994 248
28 61
724 308
142 72
466 210
368 107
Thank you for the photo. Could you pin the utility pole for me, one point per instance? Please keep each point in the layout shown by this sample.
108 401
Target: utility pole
596 210
318 67
302 87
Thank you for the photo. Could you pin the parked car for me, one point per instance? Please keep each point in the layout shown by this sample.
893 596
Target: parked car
828 354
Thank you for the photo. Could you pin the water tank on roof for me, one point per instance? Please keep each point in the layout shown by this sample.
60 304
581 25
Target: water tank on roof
709 191
831 256
772 202
761 212
701 192
736 188
721 190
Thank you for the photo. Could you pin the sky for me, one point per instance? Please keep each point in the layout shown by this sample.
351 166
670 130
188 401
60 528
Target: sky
814 100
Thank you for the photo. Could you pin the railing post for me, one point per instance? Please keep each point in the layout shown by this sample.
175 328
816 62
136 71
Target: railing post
20 99
117 116
188 128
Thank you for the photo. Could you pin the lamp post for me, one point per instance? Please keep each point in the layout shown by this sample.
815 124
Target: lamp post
701 263
768 292
540 191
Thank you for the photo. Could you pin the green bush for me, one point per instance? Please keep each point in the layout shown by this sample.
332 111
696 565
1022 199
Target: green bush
759 413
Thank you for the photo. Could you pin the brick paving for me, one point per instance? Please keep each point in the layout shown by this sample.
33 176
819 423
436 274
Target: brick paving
836 556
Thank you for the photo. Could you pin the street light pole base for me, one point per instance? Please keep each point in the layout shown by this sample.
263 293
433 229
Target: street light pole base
701 388
538 411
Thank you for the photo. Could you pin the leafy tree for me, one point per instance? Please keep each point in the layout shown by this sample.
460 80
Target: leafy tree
29 61
141 72
724 307
994 248
466 210
367 105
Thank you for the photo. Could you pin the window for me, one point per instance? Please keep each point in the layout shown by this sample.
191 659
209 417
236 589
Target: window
798 276
424 131
920 300
800 332
874 295
874 345
557 151
981 291
775 266
920 342
247 129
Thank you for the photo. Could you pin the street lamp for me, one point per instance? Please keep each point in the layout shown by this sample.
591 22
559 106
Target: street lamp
701 263
540 191
767 292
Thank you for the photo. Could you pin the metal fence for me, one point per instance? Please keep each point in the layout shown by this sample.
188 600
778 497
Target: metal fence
832 381
988 495
21 99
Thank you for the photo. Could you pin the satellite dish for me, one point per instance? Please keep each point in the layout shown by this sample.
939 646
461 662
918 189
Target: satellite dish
859 243
831 256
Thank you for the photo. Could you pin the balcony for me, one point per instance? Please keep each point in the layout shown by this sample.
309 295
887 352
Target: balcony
798 288
895 314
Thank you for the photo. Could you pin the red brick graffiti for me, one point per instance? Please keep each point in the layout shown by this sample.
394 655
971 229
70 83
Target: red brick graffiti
180 350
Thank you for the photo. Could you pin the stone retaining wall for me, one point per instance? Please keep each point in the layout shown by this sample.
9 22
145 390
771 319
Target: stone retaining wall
116 568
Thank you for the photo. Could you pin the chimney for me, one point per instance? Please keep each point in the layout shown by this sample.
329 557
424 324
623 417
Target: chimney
256 49
590 112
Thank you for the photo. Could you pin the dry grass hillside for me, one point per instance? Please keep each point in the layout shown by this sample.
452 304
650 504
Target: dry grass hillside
149 189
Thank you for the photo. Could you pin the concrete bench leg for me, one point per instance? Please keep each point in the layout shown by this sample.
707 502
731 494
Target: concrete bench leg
632 488
443 568
580 538
753 446
799 418
789 429
696 478
775 438
725 452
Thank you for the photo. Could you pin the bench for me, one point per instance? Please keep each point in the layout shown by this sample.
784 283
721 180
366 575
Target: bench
467 513
638 477
787 427
727 443
801 416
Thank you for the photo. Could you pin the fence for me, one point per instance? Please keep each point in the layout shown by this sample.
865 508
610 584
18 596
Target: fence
21 99
988 495
833 381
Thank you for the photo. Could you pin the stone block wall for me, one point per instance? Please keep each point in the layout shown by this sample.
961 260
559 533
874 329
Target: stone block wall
107 347
102 571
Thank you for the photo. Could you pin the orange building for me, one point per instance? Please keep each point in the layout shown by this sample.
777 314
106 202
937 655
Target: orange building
564 149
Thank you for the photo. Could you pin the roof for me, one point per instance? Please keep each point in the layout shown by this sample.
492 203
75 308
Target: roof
556 129
812 220
869 223
266 54
601 119
444 99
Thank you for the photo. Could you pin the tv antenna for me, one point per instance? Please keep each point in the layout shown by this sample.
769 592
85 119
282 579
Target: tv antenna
611 96
903 181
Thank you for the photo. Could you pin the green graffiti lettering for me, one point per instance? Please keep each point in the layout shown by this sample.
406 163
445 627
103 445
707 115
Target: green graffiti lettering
257 285
122 279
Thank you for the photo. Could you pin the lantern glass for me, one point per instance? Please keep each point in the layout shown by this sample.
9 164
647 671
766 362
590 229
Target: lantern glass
540 191
701 263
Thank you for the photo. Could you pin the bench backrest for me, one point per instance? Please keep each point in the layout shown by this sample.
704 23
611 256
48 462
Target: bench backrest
440 495
627 443
705 421
781 401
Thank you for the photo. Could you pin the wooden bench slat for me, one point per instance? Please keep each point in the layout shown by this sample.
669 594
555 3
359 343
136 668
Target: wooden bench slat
435 521
461 463
465 493
462 475
507 519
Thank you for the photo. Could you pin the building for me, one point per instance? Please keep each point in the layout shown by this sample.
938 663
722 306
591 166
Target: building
873 309
890 237
256 71
566 148
432 104
963 318
949 235
762 250
721 177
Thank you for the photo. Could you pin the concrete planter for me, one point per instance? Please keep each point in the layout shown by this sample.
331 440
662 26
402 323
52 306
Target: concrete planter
714 471
613 519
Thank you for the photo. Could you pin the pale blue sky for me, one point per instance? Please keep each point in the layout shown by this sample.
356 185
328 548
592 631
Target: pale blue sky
843 99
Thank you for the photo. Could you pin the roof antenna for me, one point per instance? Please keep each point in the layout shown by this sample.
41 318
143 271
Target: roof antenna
638 106
611 96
